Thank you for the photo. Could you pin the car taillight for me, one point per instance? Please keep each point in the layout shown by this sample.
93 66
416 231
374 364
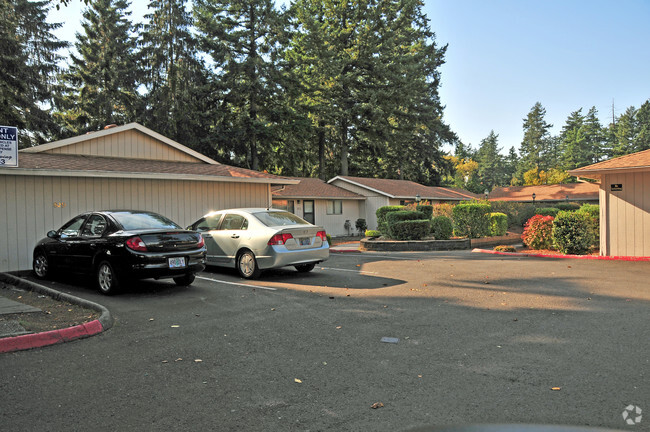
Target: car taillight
322 235
280 239
201 242
136 244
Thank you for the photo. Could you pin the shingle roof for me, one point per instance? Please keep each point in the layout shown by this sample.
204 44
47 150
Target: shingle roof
98 165
557 192
408 189
314 188
640 160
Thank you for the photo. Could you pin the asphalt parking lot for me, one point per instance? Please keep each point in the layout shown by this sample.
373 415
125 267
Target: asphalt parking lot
436 338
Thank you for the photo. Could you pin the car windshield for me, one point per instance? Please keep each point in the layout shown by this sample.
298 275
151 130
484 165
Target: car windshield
279 219
136 221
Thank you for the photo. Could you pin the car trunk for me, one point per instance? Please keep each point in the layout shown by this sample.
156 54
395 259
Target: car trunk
304 237
170 241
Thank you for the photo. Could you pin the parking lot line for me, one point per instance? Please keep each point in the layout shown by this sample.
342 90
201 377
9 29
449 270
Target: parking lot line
236 283
346 270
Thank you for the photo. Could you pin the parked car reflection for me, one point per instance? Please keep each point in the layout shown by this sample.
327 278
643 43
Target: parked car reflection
119 245
256 239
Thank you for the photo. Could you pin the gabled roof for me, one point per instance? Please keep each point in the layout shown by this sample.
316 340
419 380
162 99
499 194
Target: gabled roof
314 188
639 161
66 165
115 130
557 192
407 189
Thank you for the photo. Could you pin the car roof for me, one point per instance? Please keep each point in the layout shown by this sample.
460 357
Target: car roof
251 210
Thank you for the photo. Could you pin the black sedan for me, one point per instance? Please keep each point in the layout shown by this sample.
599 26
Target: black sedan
119 245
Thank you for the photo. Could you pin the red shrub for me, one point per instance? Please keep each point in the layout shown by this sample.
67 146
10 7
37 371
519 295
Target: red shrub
538 232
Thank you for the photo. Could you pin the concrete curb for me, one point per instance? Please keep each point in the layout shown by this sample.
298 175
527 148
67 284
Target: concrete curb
583 257
37 340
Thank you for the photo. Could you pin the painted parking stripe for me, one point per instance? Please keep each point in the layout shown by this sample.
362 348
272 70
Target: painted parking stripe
346 270
236 283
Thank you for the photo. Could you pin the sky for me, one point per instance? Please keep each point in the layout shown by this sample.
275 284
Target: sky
503 56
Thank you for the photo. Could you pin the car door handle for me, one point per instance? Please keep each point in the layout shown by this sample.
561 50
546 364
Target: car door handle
234 236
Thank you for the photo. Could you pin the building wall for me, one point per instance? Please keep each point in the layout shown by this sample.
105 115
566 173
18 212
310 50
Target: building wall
32 205
625 215
128 144
372 203
334 224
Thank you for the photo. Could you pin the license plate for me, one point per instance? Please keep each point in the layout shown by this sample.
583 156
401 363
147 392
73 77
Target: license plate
305 241
177 262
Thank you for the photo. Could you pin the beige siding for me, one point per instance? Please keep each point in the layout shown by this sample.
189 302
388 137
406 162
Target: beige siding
335 224
626 215
128 144
373 201
32 205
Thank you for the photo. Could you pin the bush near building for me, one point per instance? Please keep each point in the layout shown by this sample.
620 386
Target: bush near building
441 228
538 232
573 232
416 229
471 220
498 224
381 213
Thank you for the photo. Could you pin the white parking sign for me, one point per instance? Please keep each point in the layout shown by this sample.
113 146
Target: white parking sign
8 146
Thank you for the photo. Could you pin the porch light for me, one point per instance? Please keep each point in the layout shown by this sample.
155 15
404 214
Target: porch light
534 197
417 198
486 192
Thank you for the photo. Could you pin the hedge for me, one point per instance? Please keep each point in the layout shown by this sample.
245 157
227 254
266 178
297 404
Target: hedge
441 228
410 229
427 209
573 232
381 213
471 220
547 211
498 224
400 216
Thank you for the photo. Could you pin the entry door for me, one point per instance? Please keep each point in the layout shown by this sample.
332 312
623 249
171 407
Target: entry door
308 211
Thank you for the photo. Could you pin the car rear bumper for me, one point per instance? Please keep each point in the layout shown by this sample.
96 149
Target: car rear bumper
280 256
156 266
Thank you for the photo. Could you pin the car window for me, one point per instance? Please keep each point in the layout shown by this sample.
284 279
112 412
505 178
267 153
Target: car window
145 220
94 227
72 228
209 223
234 222
280 219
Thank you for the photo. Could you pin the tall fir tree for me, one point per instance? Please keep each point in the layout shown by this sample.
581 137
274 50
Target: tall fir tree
624 133
102 79
535 145
240 36
573 141
178 95
642 141
491 165
29 67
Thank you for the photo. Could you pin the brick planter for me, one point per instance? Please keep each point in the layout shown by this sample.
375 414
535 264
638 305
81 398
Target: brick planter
508 239
413 245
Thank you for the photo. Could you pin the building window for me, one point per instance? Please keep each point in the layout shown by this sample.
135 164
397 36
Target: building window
334 207
281 204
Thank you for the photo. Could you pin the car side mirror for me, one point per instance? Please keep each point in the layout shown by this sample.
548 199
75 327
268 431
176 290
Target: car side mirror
52 234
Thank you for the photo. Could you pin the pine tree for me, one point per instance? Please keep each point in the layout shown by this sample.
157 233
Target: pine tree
102 80
642 141
573 141
624 133
490 163
29 65
240 37
594 138
176 80
535 144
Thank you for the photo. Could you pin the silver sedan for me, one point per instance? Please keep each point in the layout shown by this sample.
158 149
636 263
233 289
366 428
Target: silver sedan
256 239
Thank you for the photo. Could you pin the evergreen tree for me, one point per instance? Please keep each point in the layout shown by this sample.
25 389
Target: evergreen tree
240 36
177 95
510 169
29 66
491 164
624 133
535 145
102 79
573 141
642 141
594 138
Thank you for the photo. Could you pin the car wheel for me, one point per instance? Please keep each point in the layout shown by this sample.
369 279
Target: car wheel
41 265
185 280
305 268
247 265
107 280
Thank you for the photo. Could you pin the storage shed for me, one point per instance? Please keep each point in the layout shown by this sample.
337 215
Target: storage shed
123 167
624 203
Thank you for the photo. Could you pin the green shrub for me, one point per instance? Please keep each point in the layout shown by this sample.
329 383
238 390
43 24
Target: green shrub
593 210
399 216
538 232
441 227
361 225
329 239
443 210
567 206
511 209
505 248
526 212
498 224
373 233
547 211
410 229
381 213
427 209
573 232
471 220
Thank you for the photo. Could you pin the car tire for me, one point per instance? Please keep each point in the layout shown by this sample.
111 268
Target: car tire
247 265
41 265
185 280
305 268
108 282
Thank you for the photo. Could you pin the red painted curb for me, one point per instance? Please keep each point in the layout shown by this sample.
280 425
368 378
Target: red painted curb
52 337
584 257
